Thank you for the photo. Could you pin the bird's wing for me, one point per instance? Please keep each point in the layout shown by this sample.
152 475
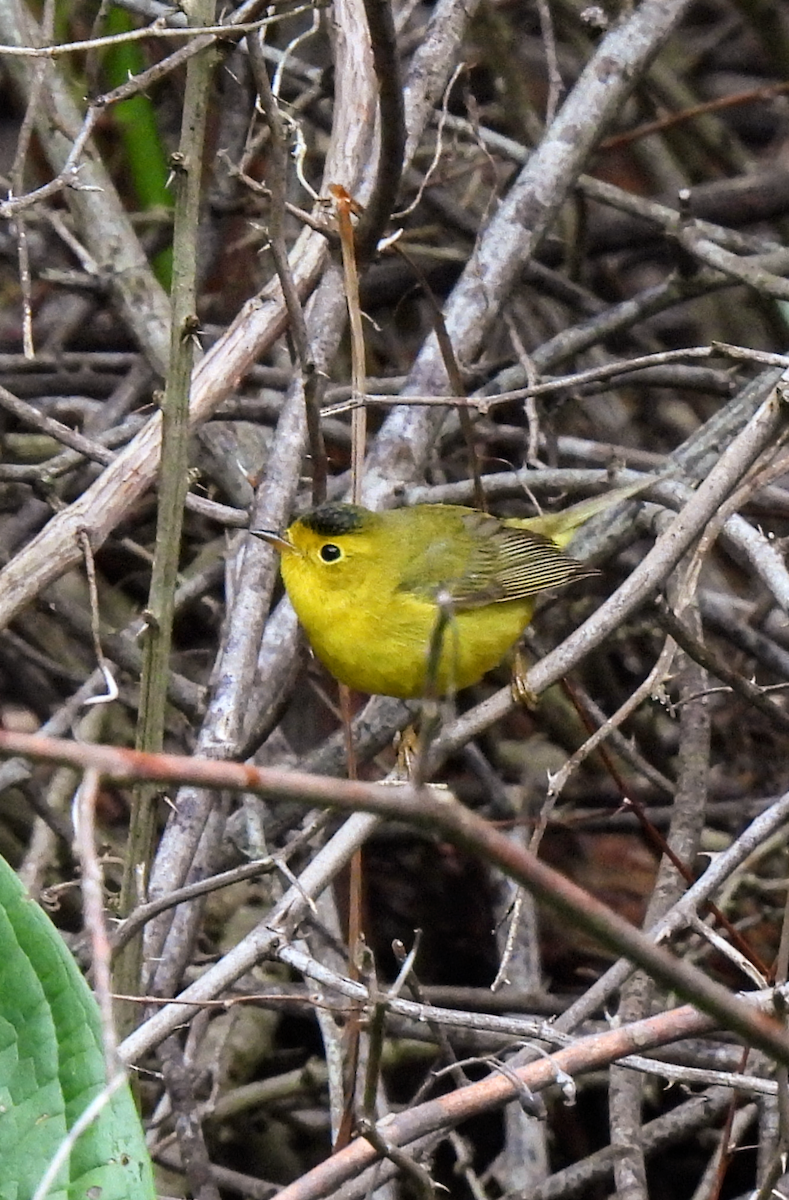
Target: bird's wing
482 561
509 563
437 559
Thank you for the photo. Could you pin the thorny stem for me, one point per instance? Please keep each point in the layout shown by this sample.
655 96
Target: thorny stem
173 486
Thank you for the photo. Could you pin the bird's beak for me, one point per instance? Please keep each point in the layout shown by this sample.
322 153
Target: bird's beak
274 539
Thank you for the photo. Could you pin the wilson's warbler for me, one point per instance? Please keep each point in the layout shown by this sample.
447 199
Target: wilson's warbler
365 586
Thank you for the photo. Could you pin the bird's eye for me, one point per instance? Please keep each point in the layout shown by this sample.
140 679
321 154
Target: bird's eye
330 553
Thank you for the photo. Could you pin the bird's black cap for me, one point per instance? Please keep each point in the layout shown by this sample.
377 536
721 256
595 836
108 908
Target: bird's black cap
331 520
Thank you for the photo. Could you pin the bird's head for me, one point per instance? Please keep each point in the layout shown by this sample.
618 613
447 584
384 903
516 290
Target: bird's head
330 543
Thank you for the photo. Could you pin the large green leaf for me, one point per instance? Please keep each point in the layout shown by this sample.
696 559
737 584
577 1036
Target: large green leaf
52 1066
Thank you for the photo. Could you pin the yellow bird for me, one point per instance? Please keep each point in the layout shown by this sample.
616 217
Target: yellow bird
369 587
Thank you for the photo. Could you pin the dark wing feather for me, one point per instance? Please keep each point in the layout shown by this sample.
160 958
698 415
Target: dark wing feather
477 560
511 564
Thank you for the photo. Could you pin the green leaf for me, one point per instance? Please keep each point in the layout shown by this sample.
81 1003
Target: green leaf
52 1067
135 119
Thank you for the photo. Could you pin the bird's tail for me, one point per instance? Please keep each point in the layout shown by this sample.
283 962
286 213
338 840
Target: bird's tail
560 526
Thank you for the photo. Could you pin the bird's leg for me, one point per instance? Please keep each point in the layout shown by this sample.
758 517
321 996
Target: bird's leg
407 748
413 744
519 684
